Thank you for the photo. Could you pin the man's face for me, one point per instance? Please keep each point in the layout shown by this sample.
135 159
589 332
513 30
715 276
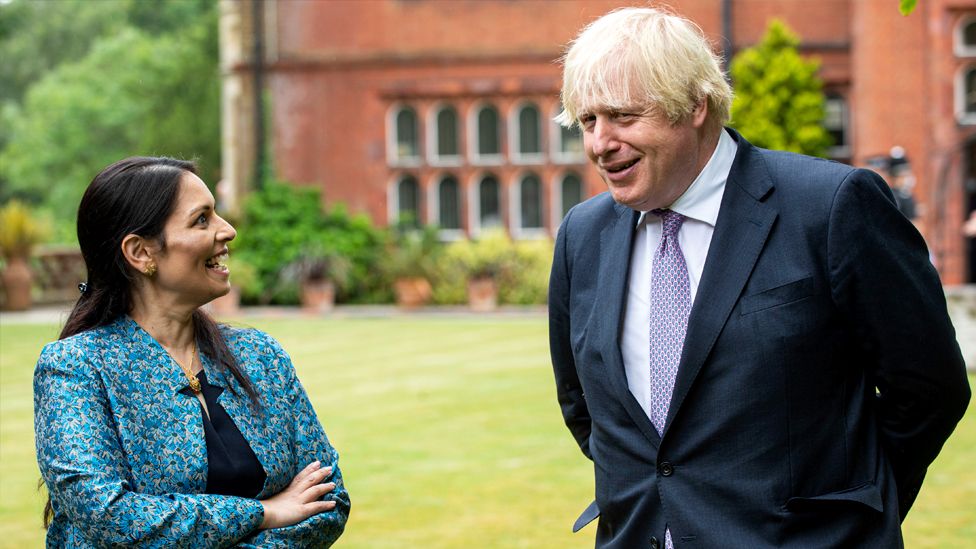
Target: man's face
646 161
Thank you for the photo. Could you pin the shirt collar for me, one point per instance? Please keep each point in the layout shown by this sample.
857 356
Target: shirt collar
703 198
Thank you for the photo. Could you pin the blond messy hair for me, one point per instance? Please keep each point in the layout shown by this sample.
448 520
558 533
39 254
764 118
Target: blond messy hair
647 59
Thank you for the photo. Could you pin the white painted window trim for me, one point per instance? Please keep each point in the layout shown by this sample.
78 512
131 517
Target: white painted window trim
959 46
433 155
556 205
473 138
556 142
842 151
474 202
960 92
515 209
434 199
393 198
515 130
392 158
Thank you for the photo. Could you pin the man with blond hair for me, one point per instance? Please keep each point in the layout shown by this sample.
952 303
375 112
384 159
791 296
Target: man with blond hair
751 346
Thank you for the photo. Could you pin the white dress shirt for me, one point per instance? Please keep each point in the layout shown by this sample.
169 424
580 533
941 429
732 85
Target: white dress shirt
699 204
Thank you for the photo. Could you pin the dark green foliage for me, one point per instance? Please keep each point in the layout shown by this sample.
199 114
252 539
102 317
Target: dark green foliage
129 78
779 100
282 222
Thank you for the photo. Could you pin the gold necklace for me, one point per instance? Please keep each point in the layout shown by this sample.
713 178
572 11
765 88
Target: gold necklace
188 372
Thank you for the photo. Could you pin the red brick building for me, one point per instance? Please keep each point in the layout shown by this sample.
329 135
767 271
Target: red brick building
442 109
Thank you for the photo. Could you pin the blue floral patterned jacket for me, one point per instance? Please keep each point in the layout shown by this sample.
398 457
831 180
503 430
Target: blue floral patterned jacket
124 456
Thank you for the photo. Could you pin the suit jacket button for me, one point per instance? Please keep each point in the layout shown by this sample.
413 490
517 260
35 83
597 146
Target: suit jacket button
666 469
654 543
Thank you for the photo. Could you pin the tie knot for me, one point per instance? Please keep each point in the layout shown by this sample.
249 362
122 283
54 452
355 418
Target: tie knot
671 221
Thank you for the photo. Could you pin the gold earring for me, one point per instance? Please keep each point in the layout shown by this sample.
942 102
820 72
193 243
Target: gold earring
150 270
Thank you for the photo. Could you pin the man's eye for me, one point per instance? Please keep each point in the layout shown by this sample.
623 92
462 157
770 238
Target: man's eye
587 120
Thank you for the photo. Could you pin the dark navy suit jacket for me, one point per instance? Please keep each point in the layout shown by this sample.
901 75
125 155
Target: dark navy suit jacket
820 374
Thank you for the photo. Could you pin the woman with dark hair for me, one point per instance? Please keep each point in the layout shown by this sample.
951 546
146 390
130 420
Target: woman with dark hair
154 425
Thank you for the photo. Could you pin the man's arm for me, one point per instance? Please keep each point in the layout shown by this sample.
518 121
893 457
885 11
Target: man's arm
568 388
883 281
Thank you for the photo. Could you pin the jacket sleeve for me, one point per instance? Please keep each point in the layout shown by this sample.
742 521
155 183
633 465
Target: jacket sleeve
84 468
568 388
891 295
310 444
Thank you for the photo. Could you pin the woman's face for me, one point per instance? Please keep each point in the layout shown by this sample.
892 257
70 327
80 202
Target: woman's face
191 267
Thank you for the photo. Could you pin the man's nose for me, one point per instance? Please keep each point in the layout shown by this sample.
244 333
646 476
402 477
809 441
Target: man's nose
604 136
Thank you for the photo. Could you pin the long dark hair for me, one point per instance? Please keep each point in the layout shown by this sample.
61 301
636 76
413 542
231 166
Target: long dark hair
132 196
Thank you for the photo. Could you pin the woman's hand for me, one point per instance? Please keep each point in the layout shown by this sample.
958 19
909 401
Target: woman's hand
300 499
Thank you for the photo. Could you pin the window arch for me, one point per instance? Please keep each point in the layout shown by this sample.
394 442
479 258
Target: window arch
836 122
406 202
570 193
444 136
404 136
529 203
486 138
527 133
964 43
966 95
487 202
449 203
567 142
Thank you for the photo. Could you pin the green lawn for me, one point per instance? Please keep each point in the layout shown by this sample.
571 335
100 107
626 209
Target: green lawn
448 431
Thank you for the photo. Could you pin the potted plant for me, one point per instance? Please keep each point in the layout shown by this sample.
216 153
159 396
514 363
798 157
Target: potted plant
412 257
318 271
486 261
19 233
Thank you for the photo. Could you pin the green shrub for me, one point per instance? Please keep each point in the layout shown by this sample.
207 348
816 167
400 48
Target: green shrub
521 269
281 223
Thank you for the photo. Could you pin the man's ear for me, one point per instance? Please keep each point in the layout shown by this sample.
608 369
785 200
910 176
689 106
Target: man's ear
138 253
699 113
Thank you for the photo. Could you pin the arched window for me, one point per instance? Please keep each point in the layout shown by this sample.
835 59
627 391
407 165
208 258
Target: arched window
530 202
966 95
527 131
965 38
567 142
445 135
570 193
487 142
406 141
408 201
836 122
489 202
449 203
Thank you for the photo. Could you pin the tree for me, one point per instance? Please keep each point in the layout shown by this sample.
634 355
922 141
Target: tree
133 93
779 101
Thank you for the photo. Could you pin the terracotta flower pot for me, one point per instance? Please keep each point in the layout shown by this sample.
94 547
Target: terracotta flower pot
412 292
17 280
482 294
318 296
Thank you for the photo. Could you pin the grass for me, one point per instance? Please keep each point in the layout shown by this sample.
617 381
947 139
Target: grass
448 431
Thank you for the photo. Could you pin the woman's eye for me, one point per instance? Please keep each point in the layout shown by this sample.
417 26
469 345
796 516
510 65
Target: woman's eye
201 219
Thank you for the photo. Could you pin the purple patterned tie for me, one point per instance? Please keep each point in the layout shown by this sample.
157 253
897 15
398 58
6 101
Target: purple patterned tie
670 307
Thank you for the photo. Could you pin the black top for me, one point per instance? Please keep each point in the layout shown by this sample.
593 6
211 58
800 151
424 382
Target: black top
233 469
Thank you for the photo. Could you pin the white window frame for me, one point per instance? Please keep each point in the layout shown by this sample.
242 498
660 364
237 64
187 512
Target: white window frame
474 203
556 140
556 203
433 134
393 198
843 150
960 92
515 208
515 130
434 199
392 156
959 46
473 138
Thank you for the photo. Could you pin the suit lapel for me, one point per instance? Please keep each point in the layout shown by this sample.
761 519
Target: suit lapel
743 224
616 241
